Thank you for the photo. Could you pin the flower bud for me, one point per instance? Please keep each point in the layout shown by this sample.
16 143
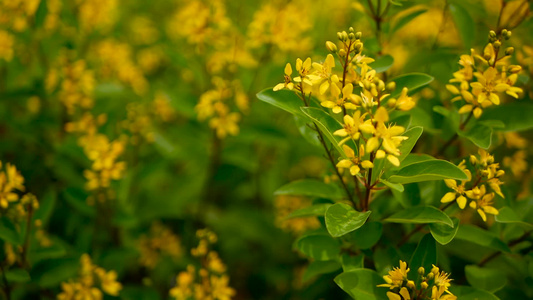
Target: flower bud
391 86
410 284
344 36
431 276
351 36
497 44
339 35
358 35
331 46
509 51
424 285
342 53
515 69
504 32
358 47
351 30
492 34
508 36
421 271
473 160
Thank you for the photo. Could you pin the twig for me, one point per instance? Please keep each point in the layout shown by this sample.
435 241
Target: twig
514 242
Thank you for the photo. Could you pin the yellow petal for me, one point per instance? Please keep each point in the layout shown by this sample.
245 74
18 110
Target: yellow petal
279 86
348 151
345 163
380 154
354 170
461 201
288 69
450 183
448 197
491 210
466 109
337 110
324 87
393 160
367 164
482 214
372 144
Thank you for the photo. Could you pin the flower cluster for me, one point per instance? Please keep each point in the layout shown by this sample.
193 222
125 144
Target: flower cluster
215 104
360 95
432 286
92 280
282 27
77 82
210 282
16 14
483 78
160 241
487 173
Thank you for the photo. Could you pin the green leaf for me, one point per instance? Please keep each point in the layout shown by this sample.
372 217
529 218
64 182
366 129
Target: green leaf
395 186
342 218
368 235
415 158
464 23
478 134
327 124
443 234
402 120
420 215
407 146
412 81
485 278
409 197
470 293
284 99
49 273
351 262
516 116
382 64
427 170
362 284
481 237
320 267
46 206
77 198
508 215
309 134
319 247
425 254
310 211
8 232
405 19
310 188
18 275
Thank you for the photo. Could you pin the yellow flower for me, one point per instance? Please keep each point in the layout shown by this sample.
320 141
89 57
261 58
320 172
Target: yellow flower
354 162
483 205
458 195
396 276
353 125
108 281
340 102
517 163
220 289
6 45
288 81
405 102
304 69
324 76
488 85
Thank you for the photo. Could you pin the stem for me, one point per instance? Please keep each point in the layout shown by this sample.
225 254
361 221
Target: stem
214 162
7 288
328 152
368 191
26 246
514 242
